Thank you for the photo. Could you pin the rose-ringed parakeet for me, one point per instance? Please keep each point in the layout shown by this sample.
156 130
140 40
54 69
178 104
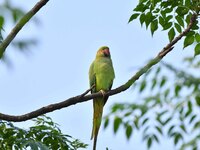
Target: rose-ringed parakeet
101 76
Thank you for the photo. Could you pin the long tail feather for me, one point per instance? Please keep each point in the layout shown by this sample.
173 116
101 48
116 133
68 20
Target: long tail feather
97 117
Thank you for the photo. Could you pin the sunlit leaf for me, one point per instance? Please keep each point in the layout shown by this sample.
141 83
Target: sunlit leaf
197 37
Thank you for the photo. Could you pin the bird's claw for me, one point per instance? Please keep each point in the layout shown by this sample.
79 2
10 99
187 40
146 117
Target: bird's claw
103 93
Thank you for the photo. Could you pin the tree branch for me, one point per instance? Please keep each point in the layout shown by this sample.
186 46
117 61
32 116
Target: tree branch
84 98
20 25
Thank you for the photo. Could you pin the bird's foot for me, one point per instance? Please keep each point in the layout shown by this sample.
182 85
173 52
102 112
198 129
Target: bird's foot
103 93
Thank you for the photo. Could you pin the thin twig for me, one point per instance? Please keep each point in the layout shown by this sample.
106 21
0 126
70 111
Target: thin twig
20 25
80 98
88 90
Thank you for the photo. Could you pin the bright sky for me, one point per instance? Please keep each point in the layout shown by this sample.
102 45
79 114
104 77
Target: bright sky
69 35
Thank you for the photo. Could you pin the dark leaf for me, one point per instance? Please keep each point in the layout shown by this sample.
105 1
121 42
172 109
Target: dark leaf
128 131
134 16
177 89
154 26
117 123
145 121
188 41
178 27
192 118
149 142
180 21
163 81
197 49
171 34
142 86
159 129
170 130
167 26
142 18
197 98
182 126
106 122
177 138
155 138
1 22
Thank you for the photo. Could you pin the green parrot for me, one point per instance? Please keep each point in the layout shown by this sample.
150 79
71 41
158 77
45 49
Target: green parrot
101 76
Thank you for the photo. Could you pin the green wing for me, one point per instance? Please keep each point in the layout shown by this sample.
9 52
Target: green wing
92 77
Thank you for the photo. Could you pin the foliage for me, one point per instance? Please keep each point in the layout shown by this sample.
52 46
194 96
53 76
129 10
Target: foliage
44 135
13 14
169 108
171 15
171 99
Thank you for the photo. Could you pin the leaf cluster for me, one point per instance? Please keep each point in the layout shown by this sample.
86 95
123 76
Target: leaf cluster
172 16
10 13
169 107
44 135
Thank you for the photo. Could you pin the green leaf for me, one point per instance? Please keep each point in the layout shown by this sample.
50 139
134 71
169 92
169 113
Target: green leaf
168 18
161 21
155 138
197 37
170 130
180 20
167 121
149 142
140 8
197 49
129 131
106 122
182 126
188 41
197 98
148 19
163 81
196 125
177 138
136 122
154 26
159 129
134 16
117 122
142 18
1 22
17 14
171 34
177 89
167 26
178 27
142 86
189 104
154 81
145 121
192 118
166 93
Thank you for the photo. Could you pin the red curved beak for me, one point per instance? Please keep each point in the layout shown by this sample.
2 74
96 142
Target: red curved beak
106 52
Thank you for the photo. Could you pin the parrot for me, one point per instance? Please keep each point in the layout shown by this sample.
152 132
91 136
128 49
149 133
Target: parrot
101 76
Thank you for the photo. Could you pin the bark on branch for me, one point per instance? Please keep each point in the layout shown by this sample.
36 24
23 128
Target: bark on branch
20 25
84 98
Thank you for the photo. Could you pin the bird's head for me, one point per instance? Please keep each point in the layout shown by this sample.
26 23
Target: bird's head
103 52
